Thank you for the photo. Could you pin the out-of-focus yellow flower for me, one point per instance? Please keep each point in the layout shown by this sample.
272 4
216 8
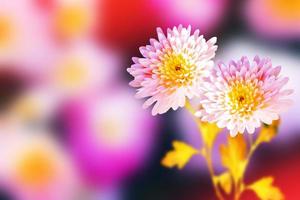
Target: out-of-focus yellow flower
267 132
233 156
72 74
35 165
180 156
22 33
265 189
224 180
281 17
36 168
32 106
286 9
81 68
113 122
73 19
6 32
209 132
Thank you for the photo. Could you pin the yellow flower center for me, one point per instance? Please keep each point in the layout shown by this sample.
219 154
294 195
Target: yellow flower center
244 98
6 32
110 131
72 21
288 9
27 108
176 71
72 74
35 168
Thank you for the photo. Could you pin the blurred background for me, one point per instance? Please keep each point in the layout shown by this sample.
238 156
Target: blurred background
70 127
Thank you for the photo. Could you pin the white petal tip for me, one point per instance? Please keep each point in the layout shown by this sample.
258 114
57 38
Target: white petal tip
197 114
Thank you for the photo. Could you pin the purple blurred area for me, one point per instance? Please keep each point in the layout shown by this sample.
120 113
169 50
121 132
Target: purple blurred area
70 126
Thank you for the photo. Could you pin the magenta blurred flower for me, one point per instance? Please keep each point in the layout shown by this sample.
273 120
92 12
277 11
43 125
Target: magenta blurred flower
275 18
110 136
172 68
206 15
242 95
33 166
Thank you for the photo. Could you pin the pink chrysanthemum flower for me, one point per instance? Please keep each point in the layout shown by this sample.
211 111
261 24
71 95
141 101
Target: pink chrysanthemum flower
241 95
172 68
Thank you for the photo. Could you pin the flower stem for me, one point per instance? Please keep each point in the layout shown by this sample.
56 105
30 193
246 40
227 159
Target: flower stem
239 188
207 155
212 174
250 139
190 108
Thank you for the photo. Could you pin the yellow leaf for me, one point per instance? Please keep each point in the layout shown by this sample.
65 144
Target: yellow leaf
225 181
233 156
209 132
267 132
265 189
179 156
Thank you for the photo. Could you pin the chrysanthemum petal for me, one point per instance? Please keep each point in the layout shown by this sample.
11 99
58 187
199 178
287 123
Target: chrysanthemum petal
242 95
172 68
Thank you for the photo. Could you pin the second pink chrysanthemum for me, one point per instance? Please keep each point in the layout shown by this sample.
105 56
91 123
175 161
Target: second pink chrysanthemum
241 95
172 68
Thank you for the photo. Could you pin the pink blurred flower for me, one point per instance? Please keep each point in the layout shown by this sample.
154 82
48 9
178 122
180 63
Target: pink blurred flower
275 18
110 136
80 69
23 40
34 166
33 105
241 95
172 68
203 14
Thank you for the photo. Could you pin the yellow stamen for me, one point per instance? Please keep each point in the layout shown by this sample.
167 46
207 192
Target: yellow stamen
110 131
6 31
72 21
176 70
27 108
72 74
244 98
35 168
